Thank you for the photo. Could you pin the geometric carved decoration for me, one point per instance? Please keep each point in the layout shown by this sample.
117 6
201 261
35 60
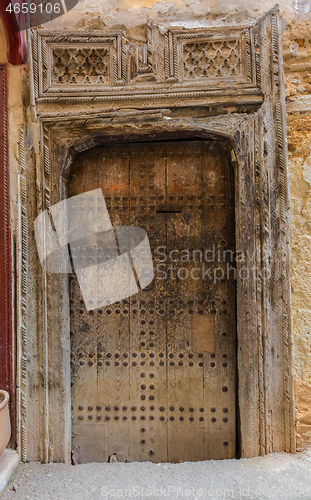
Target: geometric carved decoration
66 64
212 60
79 66
212 57
178 64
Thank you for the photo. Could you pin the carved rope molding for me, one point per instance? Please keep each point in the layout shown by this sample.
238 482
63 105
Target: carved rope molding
22 274
280 114
105 66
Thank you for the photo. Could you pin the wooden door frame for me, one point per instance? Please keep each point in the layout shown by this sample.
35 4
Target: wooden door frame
257 135
265 402
6 332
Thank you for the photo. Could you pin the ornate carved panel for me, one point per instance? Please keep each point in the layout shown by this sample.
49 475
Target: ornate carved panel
215 60
77 62
80 66
179 64
213 57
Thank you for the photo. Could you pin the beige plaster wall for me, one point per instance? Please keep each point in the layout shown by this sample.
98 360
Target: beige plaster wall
15 75
97 14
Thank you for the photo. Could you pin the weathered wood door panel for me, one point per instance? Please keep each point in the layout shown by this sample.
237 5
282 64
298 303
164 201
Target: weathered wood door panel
154 376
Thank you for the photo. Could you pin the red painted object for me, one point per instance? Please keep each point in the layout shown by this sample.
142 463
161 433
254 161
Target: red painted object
16 41
6 336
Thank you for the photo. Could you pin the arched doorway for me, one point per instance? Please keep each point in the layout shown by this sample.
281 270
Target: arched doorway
154 376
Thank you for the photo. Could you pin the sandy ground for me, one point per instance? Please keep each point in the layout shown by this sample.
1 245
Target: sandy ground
279 476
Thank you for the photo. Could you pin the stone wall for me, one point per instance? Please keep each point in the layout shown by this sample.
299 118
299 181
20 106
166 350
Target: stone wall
297 68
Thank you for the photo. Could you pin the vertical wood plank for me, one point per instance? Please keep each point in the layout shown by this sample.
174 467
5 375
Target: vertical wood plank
246 293
185 368
148 328
220 365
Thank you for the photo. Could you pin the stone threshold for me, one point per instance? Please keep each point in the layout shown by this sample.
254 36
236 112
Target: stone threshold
9 460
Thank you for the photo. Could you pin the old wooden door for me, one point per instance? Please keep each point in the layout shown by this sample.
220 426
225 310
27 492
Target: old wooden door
154 376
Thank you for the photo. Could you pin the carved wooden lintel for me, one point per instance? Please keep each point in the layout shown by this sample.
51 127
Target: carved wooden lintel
179 64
